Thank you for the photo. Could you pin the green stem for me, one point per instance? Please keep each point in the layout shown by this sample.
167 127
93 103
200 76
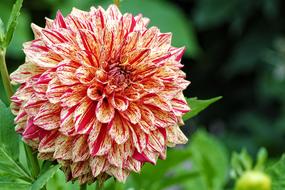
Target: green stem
83 186
32 161
5 75
99 186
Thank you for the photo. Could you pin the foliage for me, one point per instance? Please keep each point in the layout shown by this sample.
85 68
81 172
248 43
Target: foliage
198 106
277 172
8 138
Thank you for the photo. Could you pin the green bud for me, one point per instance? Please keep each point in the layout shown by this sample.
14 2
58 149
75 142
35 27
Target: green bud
253 180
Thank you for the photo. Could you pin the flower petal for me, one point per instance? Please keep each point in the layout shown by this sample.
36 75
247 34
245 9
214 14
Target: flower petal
104 111
84 116
133 113
97 164
25 72
48 117
119 129
63 147
55 90
120 103
80 151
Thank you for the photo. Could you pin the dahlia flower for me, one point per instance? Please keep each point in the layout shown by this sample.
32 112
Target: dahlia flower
100 93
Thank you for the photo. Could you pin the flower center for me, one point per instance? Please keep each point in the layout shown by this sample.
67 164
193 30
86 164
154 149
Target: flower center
119 75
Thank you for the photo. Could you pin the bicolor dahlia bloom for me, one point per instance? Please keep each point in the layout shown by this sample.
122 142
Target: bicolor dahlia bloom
100 93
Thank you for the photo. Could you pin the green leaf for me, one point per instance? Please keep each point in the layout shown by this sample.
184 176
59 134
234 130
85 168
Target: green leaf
44 178
210 158
277 172
10 167
179 179
146 177
261 159
14 185
22 33
2 32
13 20
8 137
198 105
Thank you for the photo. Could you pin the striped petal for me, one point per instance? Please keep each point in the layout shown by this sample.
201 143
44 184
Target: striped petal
80 151
97 164
133 113
48 117
84 115
25 72
104 111
119 129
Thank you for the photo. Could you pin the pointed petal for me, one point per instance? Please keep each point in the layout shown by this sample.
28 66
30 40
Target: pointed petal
59 21
48 117
25 72
66 121
101 144
36 30
146 156
116 155
164 119
55 90
156 141
97 165
66 73
31 130
47 144
157 101
85 74
147 120
139 138
79 168
119 173
80 151
120 103
179 105
133 113
133 165
84 115
63 147
94 92
119 129
73 96
104 111
175 136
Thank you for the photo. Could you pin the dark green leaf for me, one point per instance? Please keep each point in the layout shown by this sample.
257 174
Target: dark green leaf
198 105
10 167
277 172
12 23
210 157
8 137
44 178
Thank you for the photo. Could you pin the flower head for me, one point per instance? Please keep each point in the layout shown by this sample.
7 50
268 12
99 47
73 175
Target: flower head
100 93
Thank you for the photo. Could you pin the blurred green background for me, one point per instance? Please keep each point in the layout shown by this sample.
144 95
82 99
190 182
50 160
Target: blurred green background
235 49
